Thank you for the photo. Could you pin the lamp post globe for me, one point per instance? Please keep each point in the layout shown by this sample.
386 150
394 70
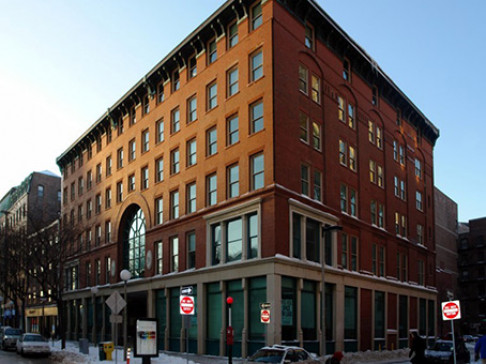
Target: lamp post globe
125 275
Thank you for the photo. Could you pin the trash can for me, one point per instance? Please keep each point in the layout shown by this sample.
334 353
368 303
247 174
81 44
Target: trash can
84 346
102 352
108 347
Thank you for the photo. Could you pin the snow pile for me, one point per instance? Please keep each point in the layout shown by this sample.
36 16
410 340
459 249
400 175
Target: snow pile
375 356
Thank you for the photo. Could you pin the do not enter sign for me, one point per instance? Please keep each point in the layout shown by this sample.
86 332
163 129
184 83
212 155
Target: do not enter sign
451 310
187 305
265 316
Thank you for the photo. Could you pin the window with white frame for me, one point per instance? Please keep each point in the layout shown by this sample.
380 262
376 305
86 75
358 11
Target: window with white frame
159 264
174 253
191 198
233 181
303 79
191 249
349 252
159 210
192 109
418 201
304 179
304 127
232 82
256 65
191 152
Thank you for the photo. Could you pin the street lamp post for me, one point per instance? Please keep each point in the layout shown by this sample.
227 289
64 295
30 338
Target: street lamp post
326 232
94 291
125 275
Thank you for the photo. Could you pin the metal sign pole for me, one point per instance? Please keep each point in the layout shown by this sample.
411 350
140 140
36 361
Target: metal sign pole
453 341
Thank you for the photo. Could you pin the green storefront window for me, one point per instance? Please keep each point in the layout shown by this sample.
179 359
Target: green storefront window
256 330
289 304
214 309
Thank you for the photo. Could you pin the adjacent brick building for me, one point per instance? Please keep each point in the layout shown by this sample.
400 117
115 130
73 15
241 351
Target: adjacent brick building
223 166
446 234
472 276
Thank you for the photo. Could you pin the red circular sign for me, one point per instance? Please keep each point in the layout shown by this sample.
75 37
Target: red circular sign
187 305
450 310
265 316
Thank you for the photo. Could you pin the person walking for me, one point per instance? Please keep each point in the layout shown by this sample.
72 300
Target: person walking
417 349
480 350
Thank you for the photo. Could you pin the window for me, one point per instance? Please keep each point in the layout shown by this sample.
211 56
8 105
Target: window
119 192
192 109
348 200
174 253
98 203
88 274
159 170
107 269
256 16
418 168
341 109
80 186
174 204
421 272
257 171
159 210
133 115
211 190
212 95
108 165
132 149
372 171
371 132
349 252
374 96
381 179
211 141
146 105
107 198
144 173
378 260
400 224
403 195
418 201
131 183
232 128
159 125
346 70
174 161
99 172
175 120
145 141
256 65
303 79
160 93
316 89
191 197
401 152
317 185
304 179
232 81
159 266
212 51
89 208
107 231
309 37
343 153
353 162
420 234
316 135
236 243
120 126
97 235
192 67
379 137
233 180
351 120
304 127
191 152
176 81
191 249
256 116
232 35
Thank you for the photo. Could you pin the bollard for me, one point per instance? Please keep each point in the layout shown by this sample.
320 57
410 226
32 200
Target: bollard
128 356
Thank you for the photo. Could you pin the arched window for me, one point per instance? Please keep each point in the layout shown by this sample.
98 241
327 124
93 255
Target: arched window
134 243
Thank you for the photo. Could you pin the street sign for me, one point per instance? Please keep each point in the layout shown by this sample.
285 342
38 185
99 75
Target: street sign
265 316
186 291
265 306
187 305
451 310
116 319
116 303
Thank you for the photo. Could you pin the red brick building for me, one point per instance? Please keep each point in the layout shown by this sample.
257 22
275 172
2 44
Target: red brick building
222 169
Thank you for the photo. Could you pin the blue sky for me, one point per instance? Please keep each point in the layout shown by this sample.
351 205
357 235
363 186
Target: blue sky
63 63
